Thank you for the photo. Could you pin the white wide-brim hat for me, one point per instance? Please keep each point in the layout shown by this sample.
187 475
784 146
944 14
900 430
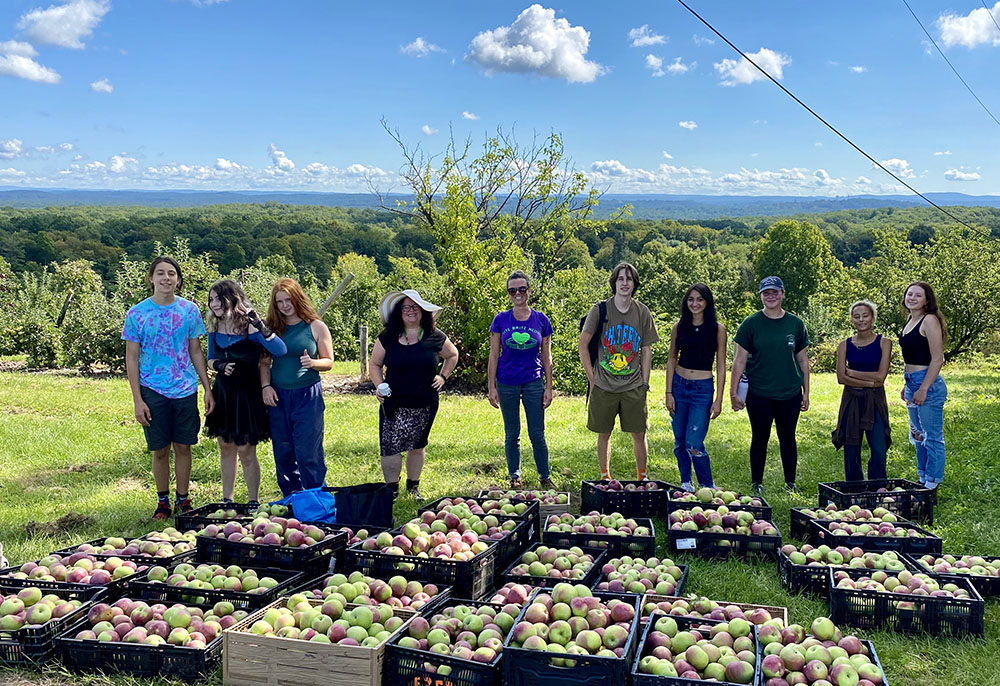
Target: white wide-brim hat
390 300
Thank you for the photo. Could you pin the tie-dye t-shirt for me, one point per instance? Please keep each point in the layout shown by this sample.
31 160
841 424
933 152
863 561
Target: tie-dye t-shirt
162 333
520 346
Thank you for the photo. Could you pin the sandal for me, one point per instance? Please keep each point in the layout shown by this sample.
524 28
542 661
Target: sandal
182 506
162 510
516 484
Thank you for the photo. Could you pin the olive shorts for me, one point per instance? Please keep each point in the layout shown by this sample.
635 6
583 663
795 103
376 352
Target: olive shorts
604 406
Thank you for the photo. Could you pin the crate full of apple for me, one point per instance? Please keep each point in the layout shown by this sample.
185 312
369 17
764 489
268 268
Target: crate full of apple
31 617
359 589
983 571
688 648
721 532
711 497
803 569
273 541
543 565
767 618
78 568
801 517
170 545
612 531
877 536
209 583
645 498
513 535
641 575
909 500
549 501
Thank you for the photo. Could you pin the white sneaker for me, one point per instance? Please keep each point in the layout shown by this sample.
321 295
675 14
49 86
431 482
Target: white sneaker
688 486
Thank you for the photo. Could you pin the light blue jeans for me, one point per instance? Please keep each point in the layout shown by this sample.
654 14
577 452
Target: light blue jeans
511 397
927 426
692 409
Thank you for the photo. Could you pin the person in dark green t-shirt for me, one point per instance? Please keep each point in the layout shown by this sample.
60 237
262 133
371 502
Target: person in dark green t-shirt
771 348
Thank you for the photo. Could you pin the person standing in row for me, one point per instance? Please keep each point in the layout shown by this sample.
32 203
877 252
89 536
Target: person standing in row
520 371
924 390
862 365
697 343
164 363
235 340
405 357
619 381
771 346
292 390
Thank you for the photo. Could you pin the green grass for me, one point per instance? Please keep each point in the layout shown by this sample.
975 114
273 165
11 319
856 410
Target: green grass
69 443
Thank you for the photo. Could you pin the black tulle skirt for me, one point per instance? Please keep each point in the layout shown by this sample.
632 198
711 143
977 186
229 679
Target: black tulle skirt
240 415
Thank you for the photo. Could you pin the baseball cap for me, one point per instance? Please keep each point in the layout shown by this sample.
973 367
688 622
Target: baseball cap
771 282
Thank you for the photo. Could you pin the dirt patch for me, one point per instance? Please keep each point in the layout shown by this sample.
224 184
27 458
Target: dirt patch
66 523
127 485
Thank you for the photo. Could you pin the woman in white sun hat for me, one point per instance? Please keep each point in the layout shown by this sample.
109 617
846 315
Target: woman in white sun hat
406 358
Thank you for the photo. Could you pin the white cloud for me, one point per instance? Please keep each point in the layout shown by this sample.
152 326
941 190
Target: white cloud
15 47
427 130
863 180
975 28
222 164
470 116
678 67
102 86
642 36
900 168
119 164
959 175
64 25
536 43
279 160
11 172
420 48
53 149
702 41
9 149
667 155
655 64
858 69
689 125
22 67
823 177
737 72
943 152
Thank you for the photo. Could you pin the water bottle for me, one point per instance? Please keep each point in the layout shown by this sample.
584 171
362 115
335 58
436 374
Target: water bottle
384 390
741 388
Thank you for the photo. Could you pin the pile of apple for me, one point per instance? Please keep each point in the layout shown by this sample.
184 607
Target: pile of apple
212 576
715 496
464 508
78 568
31 607
512 593
824 658
841 556
556 563
704 608
134 621
616 485
973 565
436 540
461 631
273 530
721 521
572 621
354 536
855 513
166 543
626 574
722 652
614 524
364 590
883 530
330 622
544 497
903 583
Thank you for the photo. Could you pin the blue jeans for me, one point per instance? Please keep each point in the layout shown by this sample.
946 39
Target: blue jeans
692 408
511 397
927 425
878 448
297 438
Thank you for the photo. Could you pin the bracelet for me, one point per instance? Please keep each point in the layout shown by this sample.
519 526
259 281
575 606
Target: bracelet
442 376
267 385
669 393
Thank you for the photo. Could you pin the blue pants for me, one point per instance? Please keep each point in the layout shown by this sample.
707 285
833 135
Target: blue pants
297 438
692 409
511 398
927 426
878 448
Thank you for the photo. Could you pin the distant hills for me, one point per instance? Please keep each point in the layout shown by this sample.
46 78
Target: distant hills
652 206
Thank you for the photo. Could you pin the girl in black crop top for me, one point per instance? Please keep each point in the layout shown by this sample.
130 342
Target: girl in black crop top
697 346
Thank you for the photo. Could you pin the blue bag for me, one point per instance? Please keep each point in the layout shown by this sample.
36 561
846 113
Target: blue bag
311 505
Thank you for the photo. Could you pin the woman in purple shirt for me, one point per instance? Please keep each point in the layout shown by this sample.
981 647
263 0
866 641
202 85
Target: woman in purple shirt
520 371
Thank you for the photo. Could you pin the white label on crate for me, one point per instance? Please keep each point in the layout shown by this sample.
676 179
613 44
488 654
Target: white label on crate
687 543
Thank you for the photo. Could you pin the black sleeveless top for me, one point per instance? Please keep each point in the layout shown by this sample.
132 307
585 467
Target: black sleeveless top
697 346
864 359
916 349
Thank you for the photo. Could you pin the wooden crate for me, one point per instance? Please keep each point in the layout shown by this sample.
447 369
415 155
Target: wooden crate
776 612
254 660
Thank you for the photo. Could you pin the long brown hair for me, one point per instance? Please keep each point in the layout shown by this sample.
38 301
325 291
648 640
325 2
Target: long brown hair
930 307
303 308
230 294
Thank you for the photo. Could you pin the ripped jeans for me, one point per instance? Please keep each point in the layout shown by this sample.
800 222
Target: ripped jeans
927 426
693 406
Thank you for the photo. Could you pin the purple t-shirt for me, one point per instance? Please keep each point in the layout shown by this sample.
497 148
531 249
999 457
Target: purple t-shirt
162 333
520 346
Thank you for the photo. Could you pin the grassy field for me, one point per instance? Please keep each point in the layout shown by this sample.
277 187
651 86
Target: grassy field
70 444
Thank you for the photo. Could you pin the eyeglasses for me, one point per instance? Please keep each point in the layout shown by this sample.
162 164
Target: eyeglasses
519 289
411 308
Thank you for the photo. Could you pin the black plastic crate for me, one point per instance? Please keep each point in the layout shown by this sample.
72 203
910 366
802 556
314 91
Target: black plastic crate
159 592
915 503
517 540
313 588
936 615
988 586
876 544
532 668
799 524
407 666
549 581
716 545
468 578
759 511
142 660
636 546
795 578
681 583
198 517
35 645
187 555
628 503
116 588
314 558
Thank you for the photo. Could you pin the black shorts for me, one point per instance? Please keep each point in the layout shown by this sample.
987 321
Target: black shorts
174 420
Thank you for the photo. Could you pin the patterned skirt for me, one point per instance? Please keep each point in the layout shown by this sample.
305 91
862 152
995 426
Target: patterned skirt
404 428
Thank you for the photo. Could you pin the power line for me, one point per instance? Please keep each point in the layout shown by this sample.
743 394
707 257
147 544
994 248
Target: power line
825 122
934 43
990 12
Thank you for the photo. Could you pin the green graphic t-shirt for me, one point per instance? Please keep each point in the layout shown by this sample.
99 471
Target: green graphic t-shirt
619 364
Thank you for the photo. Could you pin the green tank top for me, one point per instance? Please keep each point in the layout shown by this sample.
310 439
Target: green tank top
286 371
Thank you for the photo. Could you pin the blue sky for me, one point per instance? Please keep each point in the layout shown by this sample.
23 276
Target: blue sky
263 94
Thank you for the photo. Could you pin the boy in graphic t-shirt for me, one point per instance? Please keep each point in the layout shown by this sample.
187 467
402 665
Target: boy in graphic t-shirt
619 380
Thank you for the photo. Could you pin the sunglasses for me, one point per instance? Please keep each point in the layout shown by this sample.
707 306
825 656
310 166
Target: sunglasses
519 289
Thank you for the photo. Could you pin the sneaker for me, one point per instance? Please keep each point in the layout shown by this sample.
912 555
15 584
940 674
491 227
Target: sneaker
757 488
790 487
687 486
547 484
253 505
228 500
417 495
182 506
162 510
516 484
